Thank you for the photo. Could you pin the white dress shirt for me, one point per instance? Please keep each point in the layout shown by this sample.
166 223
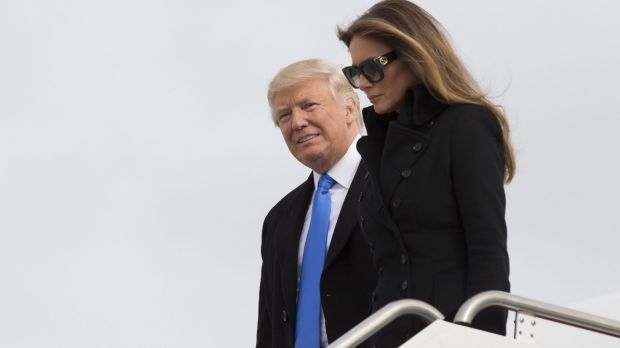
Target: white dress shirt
343 173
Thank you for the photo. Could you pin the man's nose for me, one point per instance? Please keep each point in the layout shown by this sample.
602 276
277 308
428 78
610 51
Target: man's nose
299 119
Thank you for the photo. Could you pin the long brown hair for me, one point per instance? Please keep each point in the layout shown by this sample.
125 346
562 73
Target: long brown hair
421 42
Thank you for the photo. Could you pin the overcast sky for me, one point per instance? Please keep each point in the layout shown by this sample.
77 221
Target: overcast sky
138 160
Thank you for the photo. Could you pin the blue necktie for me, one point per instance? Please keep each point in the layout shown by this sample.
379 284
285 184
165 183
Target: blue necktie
308 319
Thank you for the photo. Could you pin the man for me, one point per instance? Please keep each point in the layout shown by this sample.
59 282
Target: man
317 275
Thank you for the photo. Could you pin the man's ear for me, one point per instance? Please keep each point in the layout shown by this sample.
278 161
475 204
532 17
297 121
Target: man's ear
351 109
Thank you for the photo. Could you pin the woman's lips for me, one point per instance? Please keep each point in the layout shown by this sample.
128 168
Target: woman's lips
374 98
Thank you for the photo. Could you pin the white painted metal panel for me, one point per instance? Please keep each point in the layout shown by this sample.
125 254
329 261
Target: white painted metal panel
443 334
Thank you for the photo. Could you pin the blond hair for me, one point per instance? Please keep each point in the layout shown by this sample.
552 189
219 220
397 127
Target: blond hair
421 42
297 72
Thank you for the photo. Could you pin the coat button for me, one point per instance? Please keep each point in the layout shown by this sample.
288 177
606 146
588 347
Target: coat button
284 316
417 147
360 197
431 123
404 285
396 203
405 173
403 259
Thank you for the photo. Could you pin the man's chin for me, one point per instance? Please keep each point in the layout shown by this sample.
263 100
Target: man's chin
314 161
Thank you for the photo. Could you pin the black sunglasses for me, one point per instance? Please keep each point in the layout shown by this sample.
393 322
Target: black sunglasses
372 69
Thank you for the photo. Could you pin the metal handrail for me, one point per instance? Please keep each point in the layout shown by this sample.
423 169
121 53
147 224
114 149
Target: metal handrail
471 307
384 316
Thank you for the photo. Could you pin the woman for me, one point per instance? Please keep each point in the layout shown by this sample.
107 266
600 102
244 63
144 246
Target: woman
438 153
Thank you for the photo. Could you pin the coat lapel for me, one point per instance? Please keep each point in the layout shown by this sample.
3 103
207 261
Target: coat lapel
406 138
347 219
371 148
403 147
289 232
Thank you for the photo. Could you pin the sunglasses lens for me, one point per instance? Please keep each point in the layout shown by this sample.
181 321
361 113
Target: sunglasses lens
372 71
352 75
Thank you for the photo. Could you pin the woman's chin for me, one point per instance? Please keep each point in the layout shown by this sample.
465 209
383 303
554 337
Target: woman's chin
381 109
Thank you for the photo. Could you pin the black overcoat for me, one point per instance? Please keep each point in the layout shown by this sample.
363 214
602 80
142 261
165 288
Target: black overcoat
348 275
432 208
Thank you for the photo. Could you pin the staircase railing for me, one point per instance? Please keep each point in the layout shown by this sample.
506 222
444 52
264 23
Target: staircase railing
470 309
384 316
567 316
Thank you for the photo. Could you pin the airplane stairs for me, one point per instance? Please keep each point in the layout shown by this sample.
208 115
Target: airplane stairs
443 334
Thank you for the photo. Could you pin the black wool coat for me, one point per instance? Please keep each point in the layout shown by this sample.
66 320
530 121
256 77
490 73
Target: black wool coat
432 208
348 275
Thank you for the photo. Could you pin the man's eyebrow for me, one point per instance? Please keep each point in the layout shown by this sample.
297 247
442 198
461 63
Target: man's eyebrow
300 102
282 108
304 101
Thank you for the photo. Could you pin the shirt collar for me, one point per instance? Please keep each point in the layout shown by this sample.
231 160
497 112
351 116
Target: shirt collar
344 170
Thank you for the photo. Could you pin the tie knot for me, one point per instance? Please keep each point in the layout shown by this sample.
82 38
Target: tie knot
325 183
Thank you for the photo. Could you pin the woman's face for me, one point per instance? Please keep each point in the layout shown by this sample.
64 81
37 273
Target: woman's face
386 95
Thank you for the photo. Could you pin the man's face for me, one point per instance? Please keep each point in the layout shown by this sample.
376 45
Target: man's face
317 130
